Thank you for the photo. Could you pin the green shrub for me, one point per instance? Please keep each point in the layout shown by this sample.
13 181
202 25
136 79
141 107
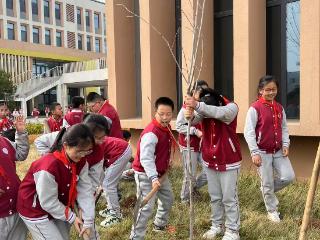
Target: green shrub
35 128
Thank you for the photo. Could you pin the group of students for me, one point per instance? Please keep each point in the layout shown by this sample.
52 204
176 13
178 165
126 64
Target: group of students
88 151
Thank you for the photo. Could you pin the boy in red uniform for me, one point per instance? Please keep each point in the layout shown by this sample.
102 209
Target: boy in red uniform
76 114
5 122
12 227
54 122
97 104
151 163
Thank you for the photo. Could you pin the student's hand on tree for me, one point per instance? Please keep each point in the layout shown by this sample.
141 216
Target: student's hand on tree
190 101
156 184
20 124
199 133
285 151
78 224
256 159
188 113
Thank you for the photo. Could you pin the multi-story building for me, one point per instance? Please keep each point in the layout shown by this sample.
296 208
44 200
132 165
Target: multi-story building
37 37
242 41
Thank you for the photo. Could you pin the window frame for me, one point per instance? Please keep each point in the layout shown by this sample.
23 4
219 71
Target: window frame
33 34
13 30
25 32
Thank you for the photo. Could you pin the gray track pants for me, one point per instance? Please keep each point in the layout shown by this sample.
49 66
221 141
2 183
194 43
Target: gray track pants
165 201
276 173
13 228
223 191
201 179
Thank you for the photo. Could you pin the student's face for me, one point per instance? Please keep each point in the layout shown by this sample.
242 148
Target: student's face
94 107
163 115
58 111
77 153
99 137
3 111
269 91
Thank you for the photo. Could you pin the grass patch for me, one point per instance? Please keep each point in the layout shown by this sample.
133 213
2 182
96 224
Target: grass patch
254 223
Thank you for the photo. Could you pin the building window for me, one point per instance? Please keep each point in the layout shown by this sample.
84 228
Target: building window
96 22
10 31
35 12
23 9
88 43
59 39
24 33
57 10
104 25
105 45
79 41
87 20
35 35
97 47
47 37
223 47
46 11
9 5
283 52
79 17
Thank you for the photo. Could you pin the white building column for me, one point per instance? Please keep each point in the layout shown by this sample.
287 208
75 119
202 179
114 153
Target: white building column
24 107
62 95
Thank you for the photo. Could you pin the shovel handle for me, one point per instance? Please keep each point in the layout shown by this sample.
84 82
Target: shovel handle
149 196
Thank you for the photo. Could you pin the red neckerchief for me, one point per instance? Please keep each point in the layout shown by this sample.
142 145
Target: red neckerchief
62 156
274 108
168 130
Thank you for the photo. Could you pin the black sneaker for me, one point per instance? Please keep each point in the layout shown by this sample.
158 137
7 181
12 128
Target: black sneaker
159 228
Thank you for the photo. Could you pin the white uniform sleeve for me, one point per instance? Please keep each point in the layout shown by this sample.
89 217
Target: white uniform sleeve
21 145
44 142
250 131
285 131
95 173
182 124
225 113
85 198
147 158
65 123
46 128
47 191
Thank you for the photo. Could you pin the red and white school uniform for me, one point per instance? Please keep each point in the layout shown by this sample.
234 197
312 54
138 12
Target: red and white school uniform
54 124
48 193
6 124
12 227
111 114
221 156
117 153
266 133
73 117
201 180
151 162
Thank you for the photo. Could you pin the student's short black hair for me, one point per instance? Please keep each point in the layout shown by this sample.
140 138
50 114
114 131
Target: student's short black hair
164 101
10 134
211 97
266 80
126 135
97 123
93 97
77 101
53 106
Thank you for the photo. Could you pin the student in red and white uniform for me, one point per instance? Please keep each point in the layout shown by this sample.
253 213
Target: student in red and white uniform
99 126
97 104
151 163
12 227
5 122
117 153
35 113
267 135
221 156
54 122
76 113
195 138
53 184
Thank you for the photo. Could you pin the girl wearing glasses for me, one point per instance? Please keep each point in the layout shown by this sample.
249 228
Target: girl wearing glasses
267 136
47 194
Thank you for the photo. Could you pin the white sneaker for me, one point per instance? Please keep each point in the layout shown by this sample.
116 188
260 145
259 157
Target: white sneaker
231 235
105 212
212 232
274 216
